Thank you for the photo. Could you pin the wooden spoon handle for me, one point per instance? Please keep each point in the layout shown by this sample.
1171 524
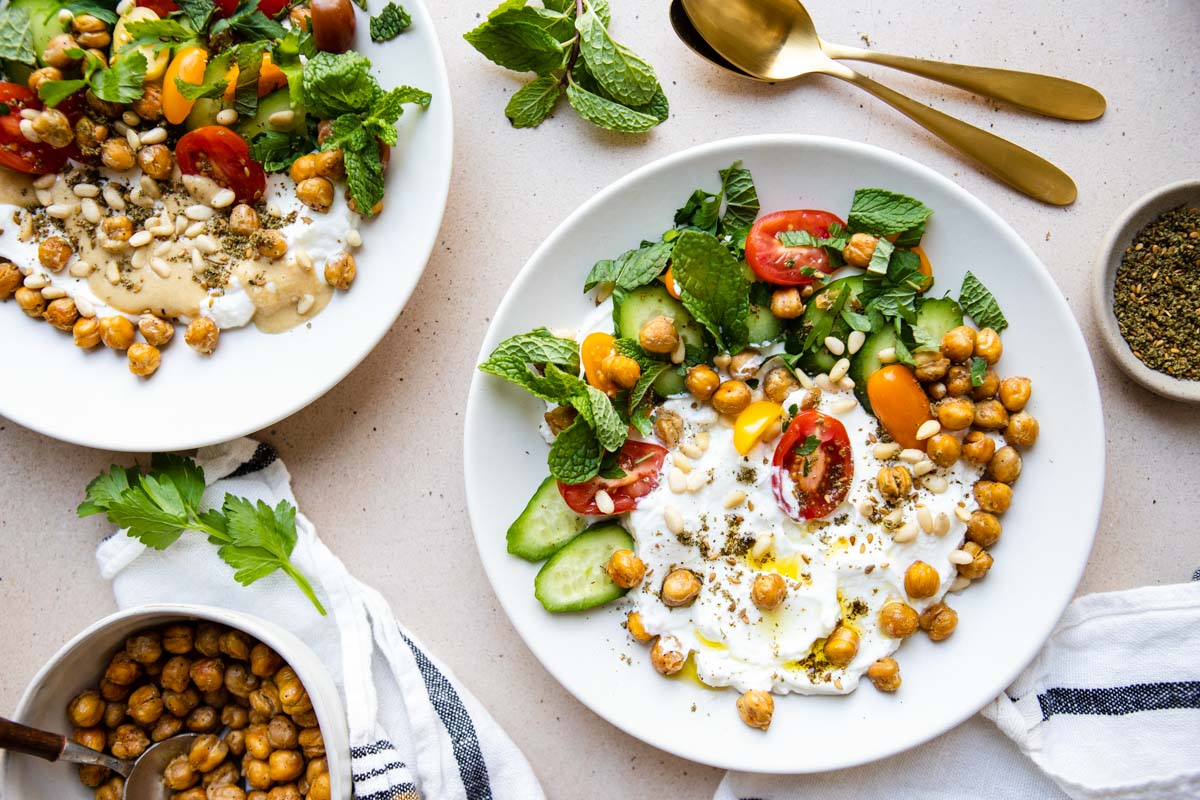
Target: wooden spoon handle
32 741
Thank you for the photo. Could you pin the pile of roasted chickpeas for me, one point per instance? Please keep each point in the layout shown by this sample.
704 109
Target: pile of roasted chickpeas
258 726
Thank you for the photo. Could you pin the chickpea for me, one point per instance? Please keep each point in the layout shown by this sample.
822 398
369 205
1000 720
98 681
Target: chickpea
859 249
958 381
243 220
225 791
116 332
236 645
114 713
89 135
208 674
54 252
177 639
282 733
305 719
768 591
778 384
149 105
144 359
176 673
156 161
842 646
40 76
292 694
983 528
931 365
92 737
626 569
146 704
285 765
680 588
756 708
885 674
265 702
207 753
86 710
894 483
659 335
156 332
990 415
239 681
167 726
285 792
898 619
93 775
921 580
208 639
667 655
235 739
55 54
636 628
340 272
304 167
62 314
257 772
956 413
1005 466
10 279
233 716
669 426
301 18
936 390
943 449
53 128
86 332
182 703
731 398
786 303
264 662
622 370
1014 393
312 743
202 335
195 793
316 193
122 669
257 743
117 228
988 386
128 741
331 164
112 789
180 774
117 155
1022 429
30 301
113 692
993 497
981 562
978 448
988 346
702 380
94 41
939 621
270 244
103 107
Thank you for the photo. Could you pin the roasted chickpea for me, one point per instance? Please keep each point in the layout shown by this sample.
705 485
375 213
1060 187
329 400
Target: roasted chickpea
990 415
128 741
239 681
208 674
207 753
285 765
167 726
778 384
236 645
226 774
939 621
181 703
235 739
621 370
117 155
202 719
257 772
898 620
103 107
958 381
988 346
786 303
156 161
234 716
114 691
626 569
257 743
978 448
243 220
936 390
226 791
1005 465
202 335
731 398
943 449
155 331
86 710
89 135
331 164
1014 393
114 713
145 648
288 791
122 669
264 662
93 775
1022 428
993 497
265 703
93 737
53 128
659 335
270 244
930 365
301 18
86 332
180 774
10 279
111 789
117 228
981 562
988 386
145 704
680 588
312 743
292 694
667 655
316 193
149 105
955 413
176 673
30 301
55 54
40 76
756 708
768 591
54 252
144 359
702 380
669 426
195 793
983 528
116 332
304 167
842 646
921 580
885 675
894 483
208 639
341 270
636 628
305 719
859 249
178 639
62 314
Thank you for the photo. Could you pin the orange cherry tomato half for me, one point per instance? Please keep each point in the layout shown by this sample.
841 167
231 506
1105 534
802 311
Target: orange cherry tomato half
899 403
926 268
188 65
641 462
670 284
775 263
597 347
812 469
218 153
270 78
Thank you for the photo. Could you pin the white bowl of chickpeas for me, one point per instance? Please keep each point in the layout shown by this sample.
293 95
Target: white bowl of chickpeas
270 717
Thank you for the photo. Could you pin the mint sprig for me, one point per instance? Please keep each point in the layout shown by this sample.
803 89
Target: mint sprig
980 304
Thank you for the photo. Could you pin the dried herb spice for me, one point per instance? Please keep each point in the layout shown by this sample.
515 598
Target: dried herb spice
1156 295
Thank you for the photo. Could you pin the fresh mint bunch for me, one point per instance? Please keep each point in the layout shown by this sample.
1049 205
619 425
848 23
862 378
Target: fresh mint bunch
567 44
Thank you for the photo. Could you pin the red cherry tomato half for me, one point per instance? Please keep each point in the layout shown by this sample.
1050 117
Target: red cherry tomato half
160 7
18 96
641 462
218 153
812 468
271 7
17 152
775 263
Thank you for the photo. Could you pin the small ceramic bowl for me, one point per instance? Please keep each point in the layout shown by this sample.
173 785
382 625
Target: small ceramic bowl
1119 237
81 663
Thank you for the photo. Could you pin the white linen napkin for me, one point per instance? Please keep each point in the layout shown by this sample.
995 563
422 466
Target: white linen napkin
1109 709
415 732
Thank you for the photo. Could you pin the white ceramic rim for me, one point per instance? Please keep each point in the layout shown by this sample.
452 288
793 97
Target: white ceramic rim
1071 573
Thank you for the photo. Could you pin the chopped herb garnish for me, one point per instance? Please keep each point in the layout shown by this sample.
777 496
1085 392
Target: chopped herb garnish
978 370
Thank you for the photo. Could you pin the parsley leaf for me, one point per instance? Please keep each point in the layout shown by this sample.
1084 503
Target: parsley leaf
121 82
713 288
158 34
576 454
632 268
977 301
390 23
54 92
252 24
93 8
883 213
16 35
276 150
808 446
979 368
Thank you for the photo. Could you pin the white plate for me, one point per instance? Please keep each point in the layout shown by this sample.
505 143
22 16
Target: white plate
1003 620
254 379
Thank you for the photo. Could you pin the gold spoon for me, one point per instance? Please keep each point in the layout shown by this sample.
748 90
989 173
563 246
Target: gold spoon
775 40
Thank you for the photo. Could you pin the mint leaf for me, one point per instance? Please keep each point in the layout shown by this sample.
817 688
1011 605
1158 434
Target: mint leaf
602 10
252 24
557 24
390 23
194 91
639 391
856 321
533 102
338 84
276 150
514 358
881 257
519 46
54 92
595 407
632 268
576 454
608 113
364 176
91 7
979 368
16 35
741 197
713 287
624 75
882 213
286 55
121 82
198 12
979 303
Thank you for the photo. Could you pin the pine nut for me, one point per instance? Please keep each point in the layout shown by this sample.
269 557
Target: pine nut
193 230
198 265
824 384
854 341
696 481
125 6
941 524
354 238
925 519
154 136
735 498
674 519
26 127
805 381
303 258
60 210
54 292
923 467
677 481
843 405
721 360
163 229
139 198
131 118
227 116
223 198
679 353
85 190
206 244
305 305
762 546
959 583
113 198
44 197
149 187
141 238
962 513
282 118
273 209
91 210
960 557
906 533
198 212
911 455
140 258
120 127
65 16
160 266
36 281
26 232
885 451
839 369
30 114
702 440
846 384
928 429
135 142
690 450
867 508
45 181
835 345
894 517
79 269
112 274
681 462
84 307
936 483
887 355
604 501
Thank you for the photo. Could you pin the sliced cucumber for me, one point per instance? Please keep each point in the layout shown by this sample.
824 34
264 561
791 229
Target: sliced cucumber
261 121
204 112
866 361
546 524
938 315
764 326
575 579
633 310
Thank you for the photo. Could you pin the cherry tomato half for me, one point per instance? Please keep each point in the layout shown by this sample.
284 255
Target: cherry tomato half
218 153
899 403
641 462
775 263
271 7
595 348
17 152
160 7
187 65
812 468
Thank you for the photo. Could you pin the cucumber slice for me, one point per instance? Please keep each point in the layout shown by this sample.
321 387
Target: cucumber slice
546 524
764 326
575 579
261 121
938 315
634 309
866 361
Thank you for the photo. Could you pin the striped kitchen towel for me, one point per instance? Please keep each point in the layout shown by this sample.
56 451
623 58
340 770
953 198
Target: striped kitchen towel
1109 709
415 732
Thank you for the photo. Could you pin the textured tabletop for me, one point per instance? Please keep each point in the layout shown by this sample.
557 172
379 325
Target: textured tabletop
377 462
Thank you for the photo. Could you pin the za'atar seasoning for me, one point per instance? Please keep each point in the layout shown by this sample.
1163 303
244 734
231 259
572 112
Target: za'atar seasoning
1156 294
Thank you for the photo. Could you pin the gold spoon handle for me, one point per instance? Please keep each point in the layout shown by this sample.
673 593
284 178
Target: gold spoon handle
1044 94
1024 171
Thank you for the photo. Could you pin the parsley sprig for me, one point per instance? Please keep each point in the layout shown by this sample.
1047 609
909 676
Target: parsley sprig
157 507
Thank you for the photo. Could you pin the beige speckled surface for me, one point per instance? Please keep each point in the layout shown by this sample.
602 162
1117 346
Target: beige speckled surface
377 462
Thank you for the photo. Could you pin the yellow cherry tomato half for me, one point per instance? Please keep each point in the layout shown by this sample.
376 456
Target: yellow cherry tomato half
751 424
156 63
188 65
899 403
597 347
669 283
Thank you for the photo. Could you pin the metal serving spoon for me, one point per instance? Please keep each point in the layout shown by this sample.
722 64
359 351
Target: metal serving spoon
774 40
143 777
